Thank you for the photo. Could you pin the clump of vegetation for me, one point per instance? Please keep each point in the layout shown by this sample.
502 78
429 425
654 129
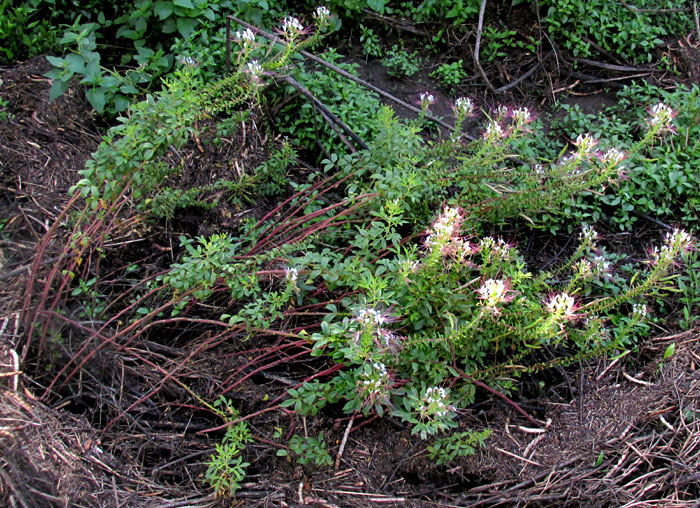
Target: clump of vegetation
384 266
400 63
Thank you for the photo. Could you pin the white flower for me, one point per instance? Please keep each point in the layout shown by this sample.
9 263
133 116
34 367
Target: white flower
601 266
435 403
501 111
494 130
660 115
494 292
584 268
679 239
291 274
585 143
496 247
561 306
588 234
246 37
426 99
639 310
322 14
370 317
291 27
445 227
254 69
521 116
613 157
464 106
187 60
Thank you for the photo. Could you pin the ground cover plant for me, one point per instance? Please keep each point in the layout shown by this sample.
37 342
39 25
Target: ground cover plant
265 263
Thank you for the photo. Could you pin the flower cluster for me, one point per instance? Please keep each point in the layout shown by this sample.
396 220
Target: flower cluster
495 249
445 228
601 267
675 242
661 118
464 107
639 311
679 239
585 144
588 235
246 38
373 380
370 318
494 292
562 307
494 131
291 28
521 116
613 157
291 275
583 269
435 404
187 60
322 16
426 100
254 69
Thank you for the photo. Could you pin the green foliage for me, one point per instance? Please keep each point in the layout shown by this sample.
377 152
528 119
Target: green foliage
202 265
152 26
24 31
400 63
450 75
499 40
660 181
4 114
226 468
350 102
309 450
460 444
370 42
458 11
389 247
630 31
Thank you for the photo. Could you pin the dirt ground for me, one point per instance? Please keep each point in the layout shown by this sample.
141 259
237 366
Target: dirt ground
622 432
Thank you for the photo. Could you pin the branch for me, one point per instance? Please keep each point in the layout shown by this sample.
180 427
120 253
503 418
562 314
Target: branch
351 77
611 67
479 29
520 79
327 114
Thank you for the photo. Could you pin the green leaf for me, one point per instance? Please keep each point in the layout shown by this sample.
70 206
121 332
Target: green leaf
186 26
56 61
163 9
58 87
96 98
669 351
169 26
599 460
377 5
187 4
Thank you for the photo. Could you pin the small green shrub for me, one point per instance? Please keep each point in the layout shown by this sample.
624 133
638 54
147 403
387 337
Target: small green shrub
619 29
370 42
24 31
460 444
309 450
349 101
226 468
400 63
450 75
